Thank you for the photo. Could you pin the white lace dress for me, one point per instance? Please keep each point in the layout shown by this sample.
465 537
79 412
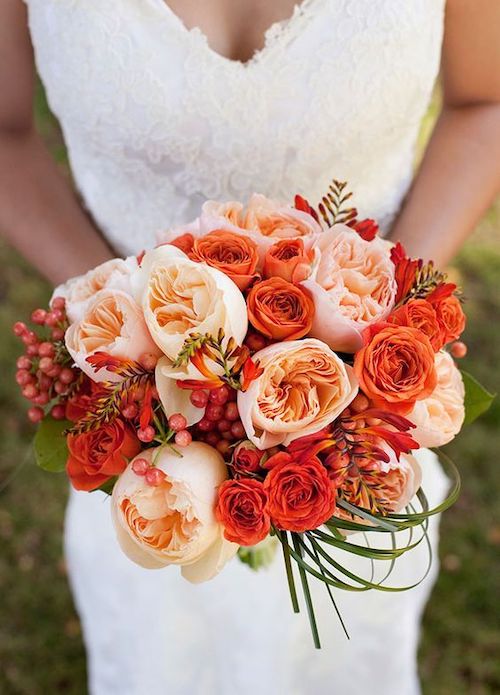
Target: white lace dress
156 122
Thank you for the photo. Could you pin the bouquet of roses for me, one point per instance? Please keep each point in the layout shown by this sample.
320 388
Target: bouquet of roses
266 371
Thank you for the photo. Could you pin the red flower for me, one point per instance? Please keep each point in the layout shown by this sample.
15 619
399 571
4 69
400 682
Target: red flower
302 204
367 229
241 508
301 495
405 271
246 458
99 454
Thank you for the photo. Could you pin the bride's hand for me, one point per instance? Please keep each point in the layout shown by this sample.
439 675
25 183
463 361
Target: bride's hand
39 212
460 172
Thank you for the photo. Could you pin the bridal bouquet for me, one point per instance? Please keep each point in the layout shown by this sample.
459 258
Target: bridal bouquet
266 371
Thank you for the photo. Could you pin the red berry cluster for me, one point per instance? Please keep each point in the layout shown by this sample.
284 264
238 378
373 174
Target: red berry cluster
220 425
44 371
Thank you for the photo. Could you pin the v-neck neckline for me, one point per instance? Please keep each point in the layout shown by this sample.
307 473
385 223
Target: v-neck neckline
274 35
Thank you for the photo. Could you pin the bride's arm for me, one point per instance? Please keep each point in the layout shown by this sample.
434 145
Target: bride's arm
460 172
39 213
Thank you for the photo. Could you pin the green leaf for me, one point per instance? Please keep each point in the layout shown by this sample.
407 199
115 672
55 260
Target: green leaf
51 451
477 398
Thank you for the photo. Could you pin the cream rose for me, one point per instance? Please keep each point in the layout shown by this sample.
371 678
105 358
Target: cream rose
174 523
303 387
114 274
353 286
440 417
180 297
112 323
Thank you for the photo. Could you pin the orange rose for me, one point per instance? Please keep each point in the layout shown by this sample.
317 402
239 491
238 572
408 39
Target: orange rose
233 254
97 455
184 242
289 260
301 495
451 318
419 313
280 310
241 509
395 367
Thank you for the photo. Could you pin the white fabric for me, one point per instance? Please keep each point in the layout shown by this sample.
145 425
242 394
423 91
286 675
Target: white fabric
156 122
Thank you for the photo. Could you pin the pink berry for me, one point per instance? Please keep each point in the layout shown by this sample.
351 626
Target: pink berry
237 430
35 414
223 447
214 412
30 391
223 425
42 398
220 396
205 425
32 350
51 319
199 398
140 466
46 349
46 364
130 411
44 381
139 394
38 316
59 314
29 338
148 361
155 477
19 328
231 411
23 377
60 388
67 375
23 362
360 403
228 435
58 303
458 349
212 438
183 438
57 334
54 371
177 422
147 434
58 412
255 342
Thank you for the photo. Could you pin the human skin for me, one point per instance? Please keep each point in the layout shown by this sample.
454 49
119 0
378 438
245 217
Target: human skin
458 179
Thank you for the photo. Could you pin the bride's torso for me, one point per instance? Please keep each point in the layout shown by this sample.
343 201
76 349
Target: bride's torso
156 121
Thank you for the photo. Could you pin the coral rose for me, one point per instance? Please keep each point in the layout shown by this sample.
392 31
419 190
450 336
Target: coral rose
174 522
112 323
419 313
451 318
352 287
440 416
301 495
241 508
303 387
395 367
289 260
233 254
181 297
280 310
99 454
114 275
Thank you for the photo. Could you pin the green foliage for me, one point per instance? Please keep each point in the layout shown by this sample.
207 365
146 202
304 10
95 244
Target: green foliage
477 399
49 445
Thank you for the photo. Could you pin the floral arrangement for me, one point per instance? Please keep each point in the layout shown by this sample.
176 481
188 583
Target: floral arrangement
265 371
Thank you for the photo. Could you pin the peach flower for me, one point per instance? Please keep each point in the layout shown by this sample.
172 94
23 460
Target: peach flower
114 274
440 416
112 323
174 523
181 297
303 387
280 310
352 287
289 260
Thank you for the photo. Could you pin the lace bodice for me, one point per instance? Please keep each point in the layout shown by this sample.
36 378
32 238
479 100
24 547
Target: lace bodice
156 121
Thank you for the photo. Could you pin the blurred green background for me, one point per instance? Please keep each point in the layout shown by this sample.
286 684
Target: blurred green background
40 636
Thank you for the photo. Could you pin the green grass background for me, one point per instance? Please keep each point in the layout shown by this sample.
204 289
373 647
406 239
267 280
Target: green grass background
40 637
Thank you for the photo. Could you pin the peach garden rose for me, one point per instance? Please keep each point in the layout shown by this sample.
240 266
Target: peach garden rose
303 387
174 522
352 287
